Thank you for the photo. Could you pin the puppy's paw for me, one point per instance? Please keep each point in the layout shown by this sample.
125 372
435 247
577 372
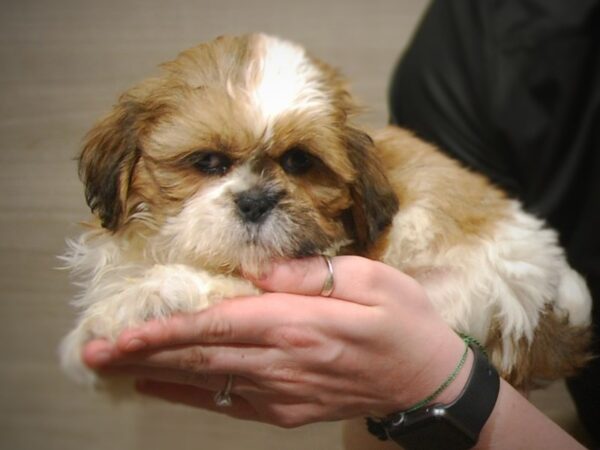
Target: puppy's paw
70 356
161 291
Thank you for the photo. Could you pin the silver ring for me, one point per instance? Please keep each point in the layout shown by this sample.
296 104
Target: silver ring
328 284
223 398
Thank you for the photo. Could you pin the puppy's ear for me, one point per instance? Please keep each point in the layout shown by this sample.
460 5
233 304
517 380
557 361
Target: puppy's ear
107 163
374 201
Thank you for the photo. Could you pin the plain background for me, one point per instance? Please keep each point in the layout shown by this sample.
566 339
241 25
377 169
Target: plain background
63 63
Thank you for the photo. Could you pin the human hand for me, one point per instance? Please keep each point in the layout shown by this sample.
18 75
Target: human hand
374 347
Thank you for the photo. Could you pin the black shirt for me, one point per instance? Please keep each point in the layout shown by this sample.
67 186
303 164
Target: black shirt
512 89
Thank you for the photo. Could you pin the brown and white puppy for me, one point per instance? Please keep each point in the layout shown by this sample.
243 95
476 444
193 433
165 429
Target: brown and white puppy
242 151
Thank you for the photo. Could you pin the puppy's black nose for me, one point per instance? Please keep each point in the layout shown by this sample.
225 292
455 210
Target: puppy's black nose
255 204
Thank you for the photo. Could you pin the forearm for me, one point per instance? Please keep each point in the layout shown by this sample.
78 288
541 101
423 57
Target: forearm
516 424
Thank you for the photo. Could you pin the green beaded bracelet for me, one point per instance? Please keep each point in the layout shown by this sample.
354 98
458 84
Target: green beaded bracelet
468 340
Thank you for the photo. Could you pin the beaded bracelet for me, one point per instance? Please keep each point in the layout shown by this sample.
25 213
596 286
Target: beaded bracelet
467 340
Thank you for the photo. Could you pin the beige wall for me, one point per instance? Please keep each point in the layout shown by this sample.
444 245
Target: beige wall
62 65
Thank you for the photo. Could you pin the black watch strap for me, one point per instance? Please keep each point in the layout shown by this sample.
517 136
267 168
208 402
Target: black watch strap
452 426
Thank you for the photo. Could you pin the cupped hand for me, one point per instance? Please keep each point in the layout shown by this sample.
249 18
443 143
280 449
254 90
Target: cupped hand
375 346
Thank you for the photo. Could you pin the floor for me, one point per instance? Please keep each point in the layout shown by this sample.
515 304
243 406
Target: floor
63 64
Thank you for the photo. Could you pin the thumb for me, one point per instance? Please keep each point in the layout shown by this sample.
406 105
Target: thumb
355 279
305 276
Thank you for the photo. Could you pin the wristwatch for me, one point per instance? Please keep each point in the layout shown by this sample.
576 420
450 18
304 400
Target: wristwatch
452 426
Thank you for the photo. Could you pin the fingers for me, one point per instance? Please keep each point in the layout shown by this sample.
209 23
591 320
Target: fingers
97 353
190 359
356 279
252 320
284 412
232 321
203 359
241 385
304 276
196 397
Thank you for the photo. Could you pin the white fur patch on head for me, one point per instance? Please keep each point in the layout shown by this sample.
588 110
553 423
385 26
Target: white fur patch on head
242 179
287 81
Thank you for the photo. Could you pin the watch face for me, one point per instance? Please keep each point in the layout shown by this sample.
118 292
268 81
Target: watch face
434 430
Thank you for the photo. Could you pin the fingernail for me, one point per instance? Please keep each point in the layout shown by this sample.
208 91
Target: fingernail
134 345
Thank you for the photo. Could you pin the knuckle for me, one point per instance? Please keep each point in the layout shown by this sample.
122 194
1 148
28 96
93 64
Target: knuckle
305 268
288 422
194 360
168 334
171 331
290 336
375 278
218 329
287 374
284 416
368 274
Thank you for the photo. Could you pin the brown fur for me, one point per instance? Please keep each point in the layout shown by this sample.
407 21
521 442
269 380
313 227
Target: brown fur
539 361
136 156
466 204
136 165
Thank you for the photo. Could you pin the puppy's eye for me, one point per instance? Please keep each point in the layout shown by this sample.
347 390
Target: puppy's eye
296 161
211 162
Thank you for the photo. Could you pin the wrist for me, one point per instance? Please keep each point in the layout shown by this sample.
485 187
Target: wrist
447 361
457 386
454 425
516 423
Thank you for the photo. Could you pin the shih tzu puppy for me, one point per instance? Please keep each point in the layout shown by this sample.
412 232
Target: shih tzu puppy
243 151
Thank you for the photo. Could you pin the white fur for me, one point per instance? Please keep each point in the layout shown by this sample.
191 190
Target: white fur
125 281
510 277
208 232
121 289
288 82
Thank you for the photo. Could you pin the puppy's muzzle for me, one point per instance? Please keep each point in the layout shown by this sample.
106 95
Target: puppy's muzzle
254 205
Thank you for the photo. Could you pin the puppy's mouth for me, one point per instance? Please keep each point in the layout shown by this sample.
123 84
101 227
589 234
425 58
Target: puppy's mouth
274 227
272 237
247 230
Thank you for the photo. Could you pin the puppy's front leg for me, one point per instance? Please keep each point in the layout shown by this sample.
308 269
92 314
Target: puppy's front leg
127 300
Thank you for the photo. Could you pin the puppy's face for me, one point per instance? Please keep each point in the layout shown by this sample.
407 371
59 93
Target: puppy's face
240 153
